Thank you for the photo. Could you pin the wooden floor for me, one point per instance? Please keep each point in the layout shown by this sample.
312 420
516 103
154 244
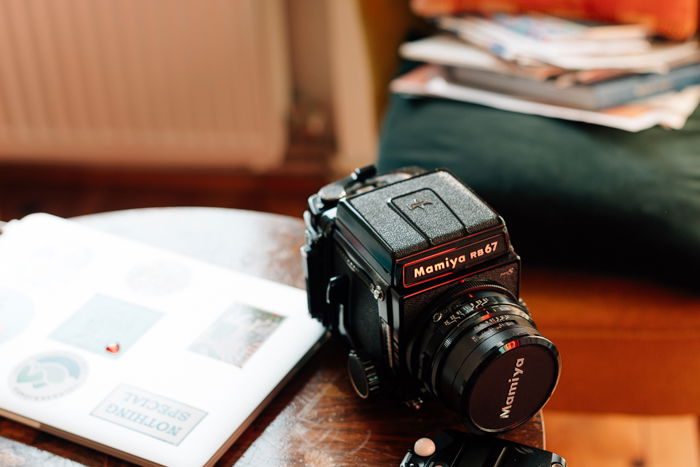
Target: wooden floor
623 440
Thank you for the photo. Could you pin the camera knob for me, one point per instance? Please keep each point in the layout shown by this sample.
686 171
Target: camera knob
363 375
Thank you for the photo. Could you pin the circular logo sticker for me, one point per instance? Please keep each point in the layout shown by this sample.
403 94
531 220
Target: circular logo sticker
48 375
16 312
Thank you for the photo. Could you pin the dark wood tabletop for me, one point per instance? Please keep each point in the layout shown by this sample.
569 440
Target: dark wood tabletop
316 420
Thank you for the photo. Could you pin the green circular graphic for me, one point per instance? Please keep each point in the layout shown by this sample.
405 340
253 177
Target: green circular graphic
48 375
16 311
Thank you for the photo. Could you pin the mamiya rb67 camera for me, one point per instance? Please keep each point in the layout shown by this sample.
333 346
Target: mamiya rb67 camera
418 275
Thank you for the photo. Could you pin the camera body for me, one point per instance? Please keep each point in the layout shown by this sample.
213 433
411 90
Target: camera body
419 277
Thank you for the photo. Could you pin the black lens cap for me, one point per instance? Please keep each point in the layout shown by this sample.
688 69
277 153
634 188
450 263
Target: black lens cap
511 384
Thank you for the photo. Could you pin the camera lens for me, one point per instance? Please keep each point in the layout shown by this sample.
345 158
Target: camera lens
482 355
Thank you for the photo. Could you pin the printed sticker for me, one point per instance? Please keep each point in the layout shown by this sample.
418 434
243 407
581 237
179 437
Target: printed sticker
48 375
104 324
148 413
236 334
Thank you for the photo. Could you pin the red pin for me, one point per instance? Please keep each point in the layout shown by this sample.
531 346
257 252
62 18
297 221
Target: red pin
113 348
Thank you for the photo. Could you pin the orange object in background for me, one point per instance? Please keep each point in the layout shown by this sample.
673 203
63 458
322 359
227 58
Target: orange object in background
674 19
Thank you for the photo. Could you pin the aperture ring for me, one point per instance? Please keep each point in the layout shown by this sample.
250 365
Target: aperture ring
469 307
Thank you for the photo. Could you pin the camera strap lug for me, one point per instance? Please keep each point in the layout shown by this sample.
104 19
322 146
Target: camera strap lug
377 292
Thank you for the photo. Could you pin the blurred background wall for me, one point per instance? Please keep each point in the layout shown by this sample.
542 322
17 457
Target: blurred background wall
212 83
241 103
134 82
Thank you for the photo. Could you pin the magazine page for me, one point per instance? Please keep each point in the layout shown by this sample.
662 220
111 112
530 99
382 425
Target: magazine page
140 352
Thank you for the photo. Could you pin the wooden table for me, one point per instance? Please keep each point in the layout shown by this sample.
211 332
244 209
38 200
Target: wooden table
317 420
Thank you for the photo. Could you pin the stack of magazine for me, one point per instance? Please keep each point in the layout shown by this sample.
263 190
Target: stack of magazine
614 75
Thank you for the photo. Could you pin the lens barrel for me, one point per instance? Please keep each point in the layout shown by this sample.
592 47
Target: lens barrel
482 355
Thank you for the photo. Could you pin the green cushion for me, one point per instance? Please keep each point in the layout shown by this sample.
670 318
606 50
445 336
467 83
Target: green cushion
570 192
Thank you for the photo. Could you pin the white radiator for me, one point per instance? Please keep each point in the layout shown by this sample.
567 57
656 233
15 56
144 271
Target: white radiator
199 83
